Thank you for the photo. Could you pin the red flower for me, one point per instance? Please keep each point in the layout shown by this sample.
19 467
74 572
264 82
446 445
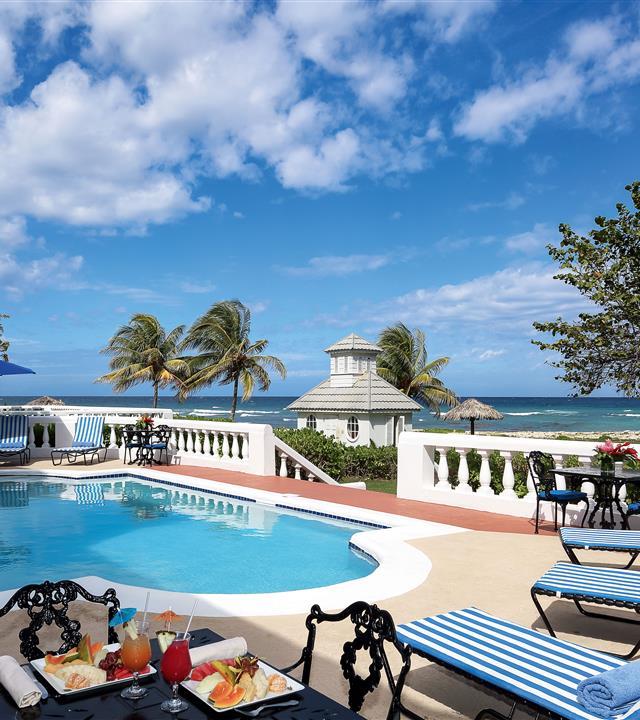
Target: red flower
620 450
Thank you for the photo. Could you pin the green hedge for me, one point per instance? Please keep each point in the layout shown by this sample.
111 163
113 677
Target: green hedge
339 461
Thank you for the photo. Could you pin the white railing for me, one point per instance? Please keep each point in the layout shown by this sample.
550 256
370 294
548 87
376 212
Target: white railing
420 477
244 447
62 410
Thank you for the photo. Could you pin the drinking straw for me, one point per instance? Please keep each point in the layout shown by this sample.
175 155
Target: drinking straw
191 618
146 605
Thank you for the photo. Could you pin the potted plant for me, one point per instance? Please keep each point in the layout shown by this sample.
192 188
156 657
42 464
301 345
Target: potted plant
609 453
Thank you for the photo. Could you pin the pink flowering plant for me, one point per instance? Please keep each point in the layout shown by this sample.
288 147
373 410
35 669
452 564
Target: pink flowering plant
145 422
616 452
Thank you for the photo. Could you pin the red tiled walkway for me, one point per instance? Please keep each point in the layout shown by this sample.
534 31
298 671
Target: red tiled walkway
383 502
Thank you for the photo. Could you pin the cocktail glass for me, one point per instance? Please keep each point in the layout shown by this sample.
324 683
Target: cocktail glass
135 654
175 667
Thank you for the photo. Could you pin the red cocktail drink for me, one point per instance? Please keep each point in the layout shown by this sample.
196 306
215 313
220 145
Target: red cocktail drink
175 667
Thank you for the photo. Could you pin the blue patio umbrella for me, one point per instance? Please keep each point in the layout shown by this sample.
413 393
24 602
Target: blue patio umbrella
7 368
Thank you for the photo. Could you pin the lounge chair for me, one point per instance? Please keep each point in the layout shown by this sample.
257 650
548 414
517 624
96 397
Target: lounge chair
614 587
14 437
626 541
531 669
88 441
541 468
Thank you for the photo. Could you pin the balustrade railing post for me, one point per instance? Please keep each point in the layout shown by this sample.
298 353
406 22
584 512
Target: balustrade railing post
297 468
180 440
112 436
463 473
508 478
282 470
225 446
207 443
561 482
32 437
485 474
443 470
46 438
235 449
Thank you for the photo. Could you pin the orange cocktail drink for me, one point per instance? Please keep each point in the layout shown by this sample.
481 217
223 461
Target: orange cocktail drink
135 653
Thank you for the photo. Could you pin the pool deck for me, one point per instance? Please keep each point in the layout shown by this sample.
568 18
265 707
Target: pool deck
492 566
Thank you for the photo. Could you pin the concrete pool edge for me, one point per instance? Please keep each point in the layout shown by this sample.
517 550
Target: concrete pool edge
401 567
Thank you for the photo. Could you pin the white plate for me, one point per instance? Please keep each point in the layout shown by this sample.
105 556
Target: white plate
293 686
58 685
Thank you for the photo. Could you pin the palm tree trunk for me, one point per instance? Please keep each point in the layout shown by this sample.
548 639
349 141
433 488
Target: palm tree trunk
234 402
155 395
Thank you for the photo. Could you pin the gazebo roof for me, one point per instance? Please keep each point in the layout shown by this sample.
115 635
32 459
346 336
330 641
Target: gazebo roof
369 393
472 409
45 400
353 342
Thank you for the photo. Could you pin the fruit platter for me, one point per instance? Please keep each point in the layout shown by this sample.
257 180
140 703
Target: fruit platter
85 667
238 683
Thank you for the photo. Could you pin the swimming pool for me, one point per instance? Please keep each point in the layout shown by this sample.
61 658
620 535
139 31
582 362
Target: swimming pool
158 536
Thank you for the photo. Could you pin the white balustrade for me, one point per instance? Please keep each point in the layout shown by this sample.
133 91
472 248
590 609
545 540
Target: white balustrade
463 473
421 478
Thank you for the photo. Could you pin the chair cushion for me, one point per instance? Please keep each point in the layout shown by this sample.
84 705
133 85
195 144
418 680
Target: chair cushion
515 659
633 507
563 495
156 446
601 538
597 582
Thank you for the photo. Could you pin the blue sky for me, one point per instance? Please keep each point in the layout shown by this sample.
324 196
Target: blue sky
336 166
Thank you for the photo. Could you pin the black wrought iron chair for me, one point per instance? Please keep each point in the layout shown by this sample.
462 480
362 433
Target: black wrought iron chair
48 603
374 629
132 440
541 467
158 442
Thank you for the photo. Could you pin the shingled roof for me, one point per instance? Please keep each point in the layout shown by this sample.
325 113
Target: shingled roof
370 393
353 342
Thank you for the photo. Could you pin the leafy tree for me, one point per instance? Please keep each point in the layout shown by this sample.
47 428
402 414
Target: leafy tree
405 364
600 347
142 351
226 353
4 344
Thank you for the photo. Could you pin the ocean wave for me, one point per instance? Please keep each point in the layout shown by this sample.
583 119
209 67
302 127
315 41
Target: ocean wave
202 411
535 412
626 413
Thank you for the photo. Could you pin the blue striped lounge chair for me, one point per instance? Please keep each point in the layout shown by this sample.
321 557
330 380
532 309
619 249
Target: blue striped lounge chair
529 668
87 442
626 541
613 587
14 437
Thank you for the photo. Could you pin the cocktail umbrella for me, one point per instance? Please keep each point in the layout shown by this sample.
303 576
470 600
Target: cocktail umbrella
122 616
167 617
7 368
472 410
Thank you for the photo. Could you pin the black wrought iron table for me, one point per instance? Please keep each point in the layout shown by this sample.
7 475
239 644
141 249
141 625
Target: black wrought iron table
606 491
142 437
109 705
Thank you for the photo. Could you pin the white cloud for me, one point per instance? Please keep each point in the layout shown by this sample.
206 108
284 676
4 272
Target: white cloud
13 232
396 215
338 265
513 201
448 20
530 241
238 215
197 287
490 354
20 276
596 56
508 301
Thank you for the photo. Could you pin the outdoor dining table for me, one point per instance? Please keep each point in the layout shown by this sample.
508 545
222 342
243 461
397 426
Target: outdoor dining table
606 492
144 456
108 705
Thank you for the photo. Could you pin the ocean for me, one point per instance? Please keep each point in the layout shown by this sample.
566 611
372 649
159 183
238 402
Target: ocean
543 414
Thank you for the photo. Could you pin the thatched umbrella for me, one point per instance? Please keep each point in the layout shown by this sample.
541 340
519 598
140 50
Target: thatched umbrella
472 410
45 400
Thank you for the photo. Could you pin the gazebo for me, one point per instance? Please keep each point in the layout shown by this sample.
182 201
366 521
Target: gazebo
472 410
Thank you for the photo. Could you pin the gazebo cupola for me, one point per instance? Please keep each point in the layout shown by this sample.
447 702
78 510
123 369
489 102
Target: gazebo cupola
350 357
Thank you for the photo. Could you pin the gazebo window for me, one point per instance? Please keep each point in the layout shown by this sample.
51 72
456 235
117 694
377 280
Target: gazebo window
353 428
312 422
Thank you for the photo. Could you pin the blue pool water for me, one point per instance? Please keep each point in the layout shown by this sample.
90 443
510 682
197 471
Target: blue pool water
160 536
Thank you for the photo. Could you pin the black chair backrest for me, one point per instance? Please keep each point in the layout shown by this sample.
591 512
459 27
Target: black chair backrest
161 434
48 603
541 468
374 630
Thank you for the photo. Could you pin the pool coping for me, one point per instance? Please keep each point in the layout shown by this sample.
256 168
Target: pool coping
385 539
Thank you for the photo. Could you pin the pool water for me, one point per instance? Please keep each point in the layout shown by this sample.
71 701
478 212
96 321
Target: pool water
159 536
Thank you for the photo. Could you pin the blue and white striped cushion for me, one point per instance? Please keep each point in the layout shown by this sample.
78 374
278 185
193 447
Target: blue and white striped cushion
598 582
89 432
581 538
14 432
517 660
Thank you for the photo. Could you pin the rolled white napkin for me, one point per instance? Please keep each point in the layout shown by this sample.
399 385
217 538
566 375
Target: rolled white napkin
17 683
218 650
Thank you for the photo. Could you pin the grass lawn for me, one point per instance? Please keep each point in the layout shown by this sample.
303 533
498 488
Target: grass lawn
381 485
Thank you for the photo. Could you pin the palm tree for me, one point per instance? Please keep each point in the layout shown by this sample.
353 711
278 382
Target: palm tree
404 363
142 351
227 354
4 344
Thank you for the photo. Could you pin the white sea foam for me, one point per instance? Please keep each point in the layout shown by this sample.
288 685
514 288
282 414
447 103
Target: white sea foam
626 413
523 413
